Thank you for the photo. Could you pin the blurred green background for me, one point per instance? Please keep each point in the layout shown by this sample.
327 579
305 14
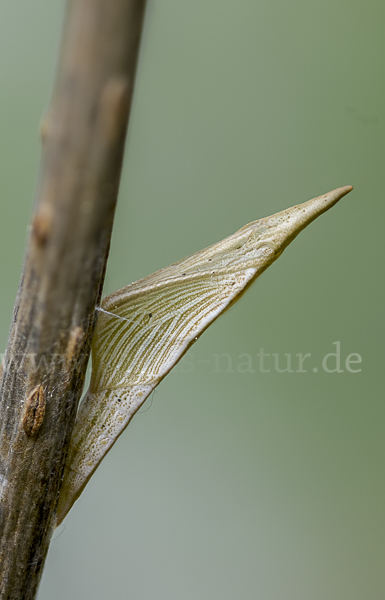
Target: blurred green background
232 484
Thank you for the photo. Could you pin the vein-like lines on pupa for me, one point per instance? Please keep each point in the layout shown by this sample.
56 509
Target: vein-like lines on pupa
106 415
150 350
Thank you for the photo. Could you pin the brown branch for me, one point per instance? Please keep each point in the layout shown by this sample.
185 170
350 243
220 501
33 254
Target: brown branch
48 349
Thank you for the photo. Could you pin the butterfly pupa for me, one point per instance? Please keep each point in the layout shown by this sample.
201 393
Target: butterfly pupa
144 329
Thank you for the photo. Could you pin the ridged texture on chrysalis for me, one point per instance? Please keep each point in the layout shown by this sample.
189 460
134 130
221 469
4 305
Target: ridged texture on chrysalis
145 328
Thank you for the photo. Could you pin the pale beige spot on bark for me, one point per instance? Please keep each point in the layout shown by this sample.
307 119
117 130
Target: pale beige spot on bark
34 411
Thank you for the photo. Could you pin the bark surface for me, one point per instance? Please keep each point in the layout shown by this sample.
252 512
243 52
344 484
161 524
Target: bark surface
83 137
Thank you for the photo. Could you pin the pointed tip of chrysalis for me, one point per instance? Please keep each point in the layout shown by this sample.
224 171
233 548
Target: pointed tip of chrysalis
338 193
305 213
326 201
344 189
287 224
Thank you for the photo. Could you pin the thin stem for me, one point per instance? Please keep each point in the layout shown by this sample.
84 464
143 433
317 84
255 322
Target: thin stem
83 143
